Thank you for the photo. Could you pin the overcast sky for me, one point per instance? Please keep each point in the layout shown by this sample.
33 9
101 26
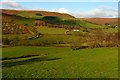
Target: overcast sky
77 9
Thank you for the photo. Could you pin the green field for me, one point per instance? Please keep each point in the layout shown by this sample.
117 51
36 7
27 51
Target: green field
47 30
19 36
110 30
58 62
60 39
45 44
89 25
27 14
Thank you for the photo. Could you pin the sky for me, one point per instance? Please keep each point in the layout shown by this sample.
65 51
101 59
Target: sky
77 9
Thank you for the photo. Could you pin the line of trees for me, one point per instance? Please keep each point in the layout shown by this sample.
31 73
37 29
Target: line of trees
56 22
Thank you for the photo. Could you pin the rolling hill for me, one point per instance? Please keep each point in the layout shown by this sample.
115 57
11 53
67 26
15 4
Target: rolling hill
31 14
30 19
102 20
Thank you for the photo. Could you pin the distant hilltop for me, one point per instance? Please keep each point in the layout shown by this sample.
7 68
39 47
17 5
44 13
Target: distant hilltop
101 21
30 13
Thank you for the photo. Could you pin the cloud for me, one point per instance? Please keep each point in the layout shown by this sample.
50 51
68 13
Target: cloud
100 12
60 10
11 4
33 9
37 9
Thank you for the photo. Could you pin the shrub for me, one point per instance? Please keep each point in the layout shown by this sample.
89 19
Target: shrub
6 41
98 39
52 19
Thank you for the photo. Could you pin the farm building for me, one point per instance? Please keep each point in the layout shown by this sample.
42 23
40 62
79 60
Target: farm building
76 30
116 26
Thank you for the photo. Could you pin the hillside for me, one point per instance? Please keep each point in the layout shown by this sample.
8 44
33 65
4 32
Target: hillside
17 19
57 44
46 30
29 17
32 14
102 20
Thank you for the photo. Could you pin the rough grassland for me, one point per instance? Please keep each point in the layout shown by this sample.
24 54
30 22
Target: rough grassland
110 30
47 30
89 25
54 62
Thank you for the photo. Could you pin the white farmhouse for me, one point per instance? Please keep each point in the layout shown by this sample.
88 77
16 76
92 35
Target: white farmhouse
116 26
76 30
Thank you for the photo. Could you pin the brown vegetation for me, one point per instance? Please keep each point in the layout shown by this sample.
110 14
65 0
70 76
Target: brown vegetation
96 39
12 28
43 13
101 20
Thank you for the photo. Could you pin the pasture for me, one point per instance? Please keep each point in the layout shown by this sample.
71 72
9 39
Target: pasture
89 25
28 15
111 30
58 62
41 44
47 30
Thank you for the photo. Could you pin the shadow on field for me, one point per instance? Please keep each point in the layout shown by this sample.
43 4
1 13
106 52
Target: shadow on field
28 61
25 56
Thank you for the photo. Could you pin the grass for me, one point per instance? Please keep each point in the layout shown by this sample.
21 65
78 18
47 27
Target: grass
19 51
47 30
89 25
27 14
51 38
110 30
54 62
25 21
19 36
19 19
55 31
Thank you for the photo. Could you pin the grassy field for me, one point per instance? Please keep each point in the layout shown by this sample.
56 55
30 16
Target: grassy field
27 14
51 54
110 30
56 62
47 30
19 36
102 20
89 25
55 39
